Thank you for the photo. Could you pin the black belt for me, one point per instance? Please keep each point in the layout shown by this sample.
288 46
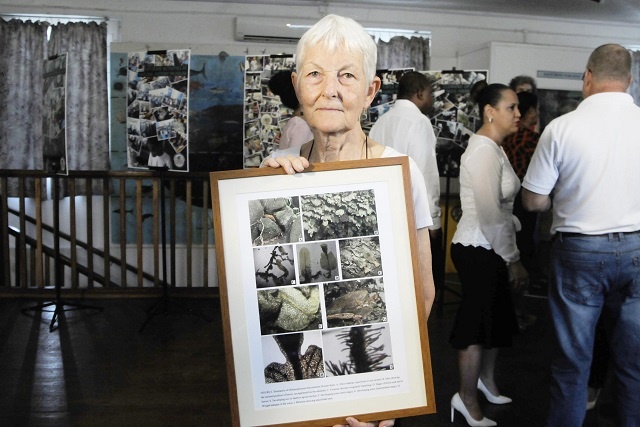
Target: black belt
568 234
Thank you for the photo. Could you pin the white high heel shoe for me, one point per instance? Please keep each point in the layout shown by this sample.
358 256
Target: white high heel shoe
458 405
496 400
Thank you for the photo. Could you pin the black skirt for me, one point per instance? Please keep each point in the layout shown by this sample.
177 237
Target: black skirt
486 315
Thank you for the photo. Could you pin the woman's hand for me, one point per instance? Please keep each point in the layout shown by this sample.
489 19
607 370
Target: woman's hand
519 275
352 422
290 164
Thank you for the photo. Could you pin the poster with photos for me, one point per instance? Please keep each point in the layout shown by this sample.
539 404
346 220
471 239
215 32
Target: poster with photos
321 293
454 116
54 147
158 110
385 97
264 113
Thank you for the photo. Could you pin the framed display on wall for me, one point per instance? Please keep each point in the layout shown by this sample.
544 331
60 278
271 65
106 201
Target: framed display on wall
322 300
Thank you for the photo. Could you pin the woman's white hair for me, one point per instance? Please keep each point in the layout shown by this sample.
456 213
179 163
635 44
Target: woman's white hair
334 32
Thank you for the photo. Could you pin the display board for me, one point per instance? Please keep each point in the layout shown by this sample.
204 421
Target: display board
386 96
54 148
455 116
158 110
264 114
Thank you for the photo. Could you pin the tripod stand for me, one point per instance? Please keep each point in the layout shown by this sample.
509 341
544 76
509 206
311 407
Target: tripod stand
59 305
162 304
441 288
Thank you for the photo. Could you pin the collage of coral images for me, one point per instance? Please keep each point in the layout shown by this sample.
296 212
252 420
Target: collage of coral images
319 286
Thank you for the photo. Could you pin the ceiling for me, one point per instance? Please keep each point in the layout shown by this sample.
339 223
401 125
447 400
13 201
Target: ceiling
621 11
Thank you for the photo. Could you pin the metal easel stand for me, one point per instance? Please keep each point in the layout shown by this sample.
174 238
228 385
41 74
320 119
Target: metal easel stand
59 305
442 288
161 306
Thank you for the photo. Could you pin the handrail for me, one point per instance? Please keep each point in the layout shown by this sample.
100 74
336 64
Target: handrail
16 232
123 197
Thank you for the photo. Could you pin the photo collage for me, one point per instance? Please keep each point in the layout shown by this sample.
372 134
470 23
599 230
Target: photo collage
264 114
385 97
54 147
454 116
158 110
320 288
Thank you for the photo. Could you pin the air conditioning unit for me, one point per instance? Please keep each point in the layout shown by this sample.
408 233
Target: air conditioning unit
269 30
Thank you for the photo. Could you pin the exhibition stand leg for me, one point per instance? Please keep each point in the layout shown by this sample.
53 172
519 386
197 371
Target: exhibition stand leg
161 306
442 288
59 305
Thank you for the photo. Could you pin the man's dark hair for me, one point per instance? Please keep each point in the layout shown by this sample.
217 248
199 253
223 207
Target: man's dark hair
280 84
411 83
518 80
526 101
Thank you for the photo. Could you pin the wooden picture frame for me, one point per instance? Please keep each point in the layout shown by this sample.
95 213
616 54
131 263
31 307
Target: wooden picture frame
322 304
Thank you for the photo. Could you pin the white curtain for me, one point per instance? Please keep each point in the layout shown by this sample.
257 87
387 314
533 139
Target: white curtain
23 51
404 52
87 108
24 47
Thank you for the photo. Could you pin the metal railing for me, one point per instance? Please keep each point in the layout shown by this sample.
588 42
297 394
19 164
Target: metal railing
104 233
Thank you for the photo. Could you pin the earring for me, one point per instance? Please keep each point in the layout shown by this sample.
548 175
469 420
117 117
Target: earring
364 115
490 119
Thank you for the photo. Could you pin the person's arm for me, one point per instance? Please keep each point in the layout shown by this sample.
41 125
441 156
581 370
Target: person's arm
424 254
535 202
542 173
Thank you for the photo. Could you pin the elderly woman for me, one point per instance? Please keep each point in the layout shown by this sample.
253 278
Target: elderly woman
485 254
335 82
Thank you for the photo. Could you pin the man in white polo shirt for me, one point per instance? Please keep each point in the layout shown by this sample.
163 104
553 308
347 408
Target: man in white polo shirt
587 166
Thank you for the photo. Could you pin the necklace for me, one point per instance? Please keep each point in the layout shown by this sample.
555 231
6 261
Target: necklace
364 145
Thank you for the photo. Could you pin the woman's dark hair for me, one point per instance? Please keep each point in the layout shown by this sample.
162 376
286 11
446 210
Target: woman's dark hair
476 89
490 95
280 84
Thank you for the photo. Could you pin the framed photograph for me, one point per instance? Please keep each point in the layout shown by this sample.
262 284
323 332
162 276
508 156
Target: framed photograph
322 303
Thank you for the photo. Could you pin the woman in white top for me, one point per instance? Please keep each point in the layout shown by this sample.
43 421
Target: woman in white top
296 131
485 254
335 81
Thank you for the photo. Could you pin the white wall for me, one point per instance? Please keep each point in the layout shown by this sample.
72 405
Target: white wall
208 27
506 60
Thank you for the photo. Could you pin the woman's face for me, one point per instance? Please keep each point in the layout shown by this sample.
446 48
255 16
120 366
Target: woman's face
506 114
332 89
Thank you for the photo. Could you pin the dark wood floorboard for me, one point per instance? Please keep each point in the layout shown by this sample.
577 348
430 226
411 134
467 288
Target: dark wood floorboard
97 370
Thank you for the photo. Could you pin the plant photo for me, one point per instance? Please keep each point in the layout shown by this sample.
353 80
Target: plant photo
339 215
274 266
355 302
357 350
360 258
292 357
317 262
289 309
275 221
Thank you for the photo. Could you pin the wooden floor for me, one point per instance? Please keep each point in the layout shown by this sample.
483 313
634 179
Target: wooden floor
97 370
